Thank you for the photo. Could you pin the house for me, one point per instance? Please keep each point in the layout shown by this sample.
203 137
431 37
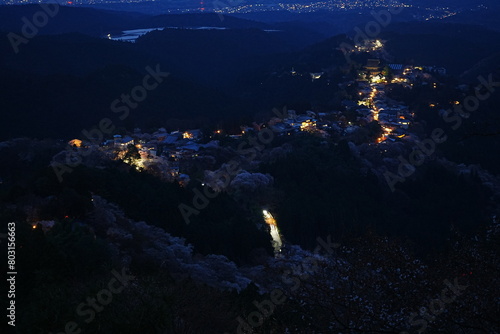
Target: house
123 142
127 140
190 147
396 69
404 123
160 133
170 139
377 78
148 149
303 118
316 76
373 67
192 134
436 69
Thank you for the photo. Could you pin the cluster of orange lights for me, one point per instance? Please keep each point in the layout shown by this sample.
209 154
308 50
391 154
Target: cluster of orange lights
75 142
396 80
268 218
187 135
385 135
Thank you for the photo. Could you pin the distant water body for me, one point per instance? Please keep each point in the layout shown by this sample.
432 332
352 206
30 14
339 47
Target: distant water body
132 35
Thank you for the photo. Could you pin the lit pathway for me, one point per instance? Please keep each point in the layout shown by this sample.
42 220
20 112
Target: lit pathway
275 235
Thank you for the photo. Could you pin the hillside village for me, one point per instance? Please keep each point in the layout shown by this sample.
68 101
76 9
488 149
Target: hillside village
173 156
